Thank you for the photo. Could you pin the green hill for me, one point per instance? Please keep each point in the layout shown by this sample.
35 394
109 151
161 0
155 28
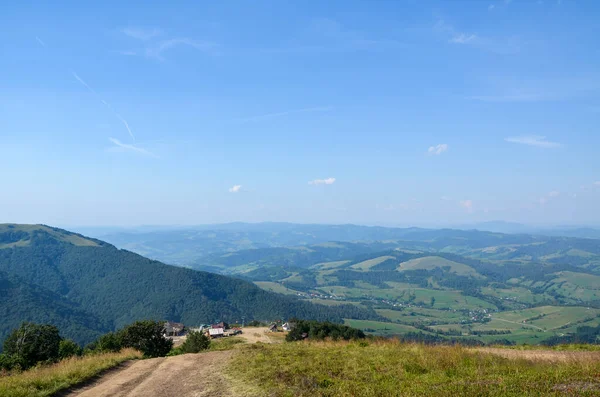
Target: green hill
64 277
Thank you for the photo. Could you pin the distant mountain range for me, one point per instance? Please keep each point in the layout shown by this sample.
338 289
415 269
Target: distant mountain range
87 287
188 246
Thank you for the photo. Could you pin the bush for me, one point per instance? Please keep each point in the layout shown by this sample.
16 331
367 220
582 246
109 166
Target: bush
68 348
9 363
109 342
147 337
315 330
195 342
33 343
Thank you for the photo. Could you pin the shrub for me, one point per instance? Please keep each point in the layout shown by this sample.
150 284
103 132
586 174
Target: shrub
195 342
147 337
68 348
109 342
315 330
9 363
33 343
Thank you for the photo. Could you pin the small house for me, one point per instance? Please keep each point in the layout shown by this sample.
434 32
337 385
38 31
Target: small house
287 327
216 332
273 327
222 324
173 329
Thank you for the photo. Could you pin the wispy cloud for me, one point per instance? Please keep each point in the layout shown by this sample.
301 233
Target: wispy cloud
437 149
333 34
554 193
491 7
157 50
141 33
327 181
118 145
500 45
40 41
467 205
463 38
445 198
285 113
533 140
597 183
86 85
235 189
549 196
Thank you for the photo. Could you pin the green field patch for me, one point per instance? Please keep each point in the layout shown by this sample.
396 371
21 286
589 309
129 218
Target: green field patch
433 262
427 316
581 280
380 328
368 264
275 287
328 265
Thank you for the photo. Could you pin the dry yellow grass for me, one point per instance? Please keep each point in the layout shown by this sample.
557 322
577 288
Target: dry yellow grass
47 380
545 355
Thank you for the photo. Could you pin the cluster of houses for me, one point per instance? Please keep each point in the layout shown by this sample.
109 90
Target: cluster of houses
173 330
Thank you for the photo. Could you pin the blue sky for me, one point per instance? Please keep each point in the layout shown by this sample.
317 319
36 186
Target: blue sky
373 112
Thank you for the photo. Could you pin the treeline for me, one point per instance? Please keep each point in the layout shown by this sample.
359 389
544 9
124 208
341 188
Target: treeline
584 335
314 330
32 344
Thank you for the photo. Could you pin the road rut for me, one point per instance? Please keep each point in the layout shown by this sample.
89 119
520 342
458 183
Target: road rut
188 375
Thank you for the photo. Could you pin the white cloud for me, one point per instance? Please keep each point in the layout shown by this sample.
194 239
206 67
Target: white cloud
533 140
445 198
164 45
120 146
597 183
554 193
463 38
142 34
40 41
437 149
235 189
491 7
467 204
328 181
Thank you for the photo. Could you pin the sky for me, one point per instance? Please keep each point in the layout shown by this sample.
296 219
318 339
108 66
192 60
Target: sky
371 112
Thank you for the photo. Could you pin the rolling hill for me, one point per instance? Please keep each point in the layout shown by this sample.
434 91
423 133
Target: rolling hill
52 275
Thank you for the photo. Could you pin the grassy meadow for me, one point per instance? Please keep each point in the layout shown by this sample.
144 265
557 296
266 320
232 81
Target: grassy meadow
47 380
391 368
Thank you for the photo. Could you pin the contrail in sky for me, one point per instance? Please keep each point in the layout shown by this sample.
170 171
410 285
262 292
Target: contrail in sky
86 85
90 89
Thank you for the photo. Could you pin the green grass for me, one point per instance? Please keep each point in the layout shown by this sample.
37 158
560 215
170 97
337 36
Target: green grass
367 265
432 262
275 287
381 328
227 343
46 381
390 368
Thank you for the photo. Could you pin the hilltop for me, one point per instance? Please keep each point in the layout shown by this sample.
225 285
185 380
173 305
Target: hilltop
86 287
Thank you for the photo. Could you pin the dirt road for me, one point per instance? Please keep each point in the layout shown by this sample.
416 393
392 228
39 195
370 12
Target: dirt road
188 375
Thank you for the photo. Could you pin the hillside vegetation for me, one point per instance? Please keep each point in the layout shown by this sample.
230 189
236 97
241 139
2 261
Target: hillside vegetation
391 368
87 287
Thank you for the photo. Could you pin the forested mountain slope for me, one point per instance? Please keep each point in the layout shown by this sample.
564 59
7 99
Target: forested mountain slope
68 276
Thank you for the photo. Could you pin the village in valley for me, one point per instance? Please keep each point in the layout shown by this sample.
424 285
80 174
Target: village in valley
179 331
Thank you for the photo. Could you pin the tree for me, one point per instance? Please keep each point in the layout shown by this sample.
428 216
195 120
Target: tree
33 343
195 342
147 337
109 342
68 348
432 301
